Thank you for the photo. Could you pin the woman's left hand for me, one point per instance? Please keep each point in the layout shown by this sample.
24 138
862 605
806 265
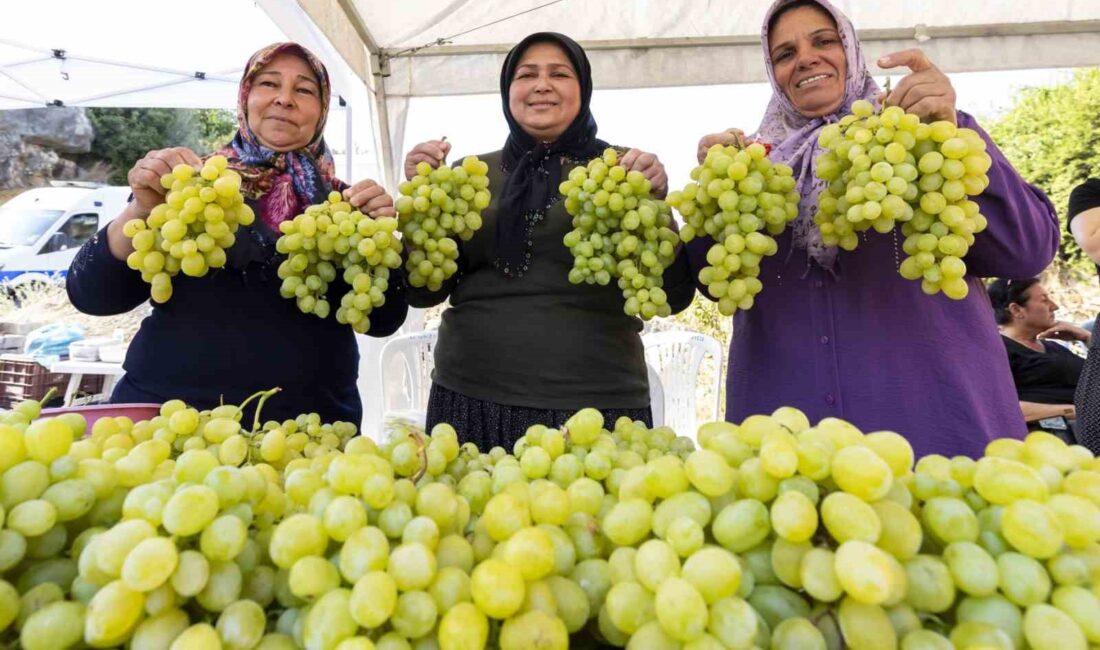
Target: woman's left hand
925 90
1066 332
651 168
370 198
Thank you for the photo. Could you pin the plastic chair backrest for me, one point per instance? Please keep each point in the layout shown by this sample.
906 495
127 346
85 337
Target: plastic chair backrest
656 396
678 357
406 363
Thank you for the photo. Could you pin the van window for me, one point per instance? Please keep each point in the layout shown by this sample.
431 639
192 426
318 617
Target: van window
25 226
78 229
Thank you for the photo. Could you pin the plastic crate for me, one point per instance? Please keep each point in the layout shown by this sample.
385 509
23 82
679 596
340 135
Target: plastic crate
23 378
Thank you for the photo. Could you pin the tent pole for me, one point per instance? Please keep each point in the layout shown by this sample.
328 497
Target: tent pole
384 132
349 143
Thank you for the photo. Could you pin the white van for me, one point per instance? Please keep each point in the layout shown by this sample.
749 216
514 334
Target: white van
42 229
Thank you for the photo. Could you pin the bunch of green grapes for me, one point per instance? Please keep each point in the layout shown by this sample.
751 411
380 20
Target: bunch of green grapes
190 231
280 443
333 238
775 532
435 206
619 232
740 199
888 168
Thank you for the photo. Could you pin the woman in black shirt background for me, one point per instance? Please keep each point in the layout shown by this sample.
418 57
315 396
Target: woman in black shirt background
1045 372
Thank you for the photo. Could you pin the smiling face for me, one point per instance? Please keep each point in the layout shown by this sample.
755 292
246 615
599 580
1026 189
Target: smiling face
545 94
809 61
284 104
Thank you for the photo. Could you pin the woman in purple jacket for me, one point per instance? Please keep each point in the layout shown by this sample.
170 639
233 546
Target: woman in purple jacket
845 335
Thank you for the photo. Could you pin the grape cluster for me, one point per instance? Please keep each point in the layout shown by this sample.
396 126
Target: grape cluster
189 531
334 238
619 232
888 168
740 199
190 231
435 206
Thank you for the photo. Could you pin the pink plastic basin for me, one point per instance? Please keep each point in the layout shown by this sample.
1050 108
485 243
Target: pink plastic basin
135 412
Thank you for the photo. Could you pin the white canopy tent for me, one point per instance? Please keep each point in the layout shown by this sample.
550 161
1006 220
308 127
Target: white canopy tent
382 54
139 53
422 48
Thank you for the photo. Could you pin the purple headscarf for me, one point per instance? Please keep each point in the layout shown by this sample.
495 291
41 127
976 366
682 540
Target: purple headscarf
793 137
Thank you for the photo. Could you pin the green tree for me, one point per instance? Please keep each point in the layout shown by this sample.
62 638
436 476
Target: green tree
1052 139
124 135
216 128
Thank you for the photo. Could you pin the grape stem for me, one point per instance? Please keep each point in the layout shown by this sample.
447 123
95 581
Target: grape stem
830 613
444 160
49 394
240 407
739 138
260 405
422 451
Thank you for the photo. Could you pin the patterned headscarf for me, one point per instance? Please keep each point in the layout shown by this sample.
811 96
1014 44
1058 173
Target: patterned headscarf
794 137
282 184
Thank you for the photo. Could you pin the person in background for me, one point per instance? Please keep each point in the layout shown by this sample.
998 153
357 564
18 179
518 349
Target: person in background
843 334
1045 372
1083 221
519 344
229 334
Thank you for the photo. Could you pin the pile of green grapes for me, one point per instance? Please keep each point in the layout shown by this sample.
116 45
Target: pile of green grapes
435 206
619 232
888 168
190 231
332 239
740 199
191 531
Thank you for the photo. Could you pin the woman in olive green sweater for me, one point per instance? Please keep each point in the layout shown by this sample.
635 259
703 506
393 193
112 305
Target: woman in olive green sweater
519 344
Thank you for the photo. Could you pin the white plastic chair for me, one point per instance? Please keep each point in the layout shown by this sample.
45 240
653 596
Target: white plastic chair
677 357
656 396
406 365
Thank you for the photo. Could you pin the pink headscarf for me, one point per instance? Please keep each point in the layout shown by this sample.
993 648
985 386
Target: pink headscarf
793 137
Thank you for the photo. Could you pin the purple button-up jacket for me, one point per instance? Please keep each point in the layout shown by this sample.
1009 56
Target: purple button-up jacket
870 347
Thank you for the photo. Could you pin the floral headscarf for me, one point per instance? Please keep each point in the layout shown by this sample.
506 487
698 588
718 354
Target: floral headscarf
282 184
794 137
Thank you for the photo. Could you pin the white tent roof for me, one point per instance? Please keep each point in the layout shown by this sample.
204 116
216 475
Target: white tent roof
152 53
439 47
125 53
415 22
383 52
699 42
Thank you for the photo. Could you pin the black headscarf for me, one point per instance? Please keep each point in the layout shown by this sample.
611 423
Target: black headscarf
531 186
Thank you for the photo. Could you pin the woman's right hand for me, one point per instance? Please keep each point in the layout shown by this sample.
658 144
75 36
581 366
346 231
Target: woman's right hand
432 152
731 136
144 176
144 181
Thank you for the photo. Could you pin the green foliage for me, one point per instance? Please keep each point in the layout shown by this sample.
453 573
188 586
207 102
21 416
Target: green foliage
216 128
125 135
1052 139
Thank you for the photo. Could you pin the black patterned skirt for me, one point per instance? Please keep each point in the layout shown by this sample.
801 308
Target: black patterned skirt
488 424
